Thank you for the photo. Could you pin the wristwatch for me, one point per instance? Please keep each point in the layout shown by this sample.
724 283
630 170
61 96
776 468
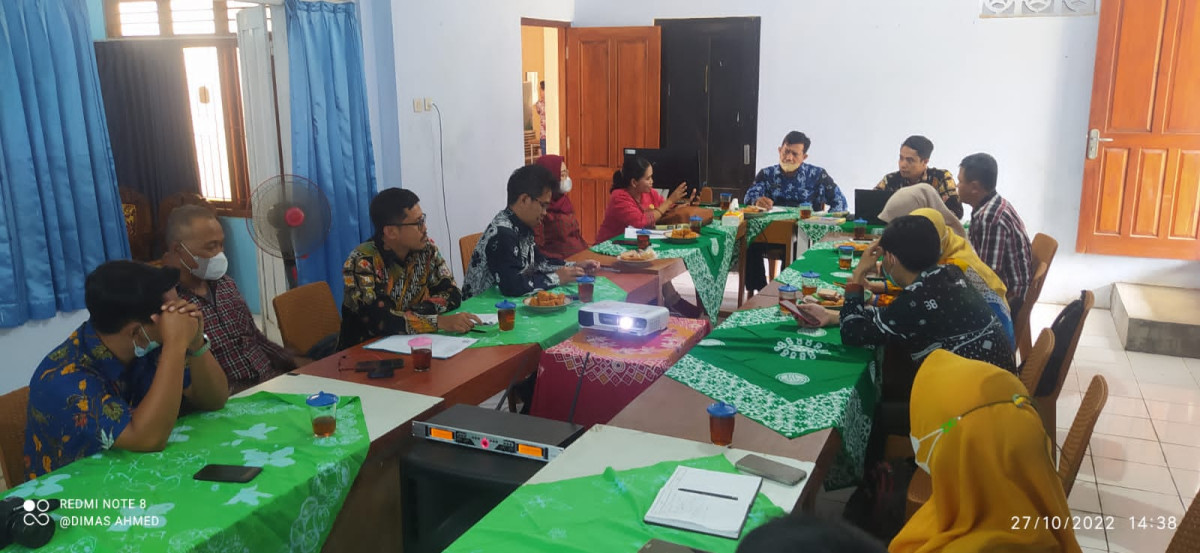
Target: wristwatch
202 348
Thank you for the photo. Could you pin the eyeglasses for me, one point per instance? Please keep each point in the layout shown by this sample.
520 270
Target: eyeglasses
420 222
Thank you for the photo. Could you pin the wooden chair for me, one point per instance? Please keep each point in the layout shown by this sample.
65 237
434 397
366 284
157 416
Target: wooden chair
306 315
1187 534
466 246
1044 248
13 412
920 488
1080 433
1032 368
1067 329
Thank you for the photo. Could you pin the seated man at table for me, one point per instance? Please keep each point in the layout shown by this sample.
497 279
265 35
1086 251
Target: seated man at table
119 380
997 232
914 168
196 246
397 282
507 254
936 308
791 183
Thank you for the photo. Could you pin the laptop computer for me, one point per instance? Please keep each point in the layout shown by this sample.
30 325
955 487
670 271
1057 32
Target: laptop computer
869 203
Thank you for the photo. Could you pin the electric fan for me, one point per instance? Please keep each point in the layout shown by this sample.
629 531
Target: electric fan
289 217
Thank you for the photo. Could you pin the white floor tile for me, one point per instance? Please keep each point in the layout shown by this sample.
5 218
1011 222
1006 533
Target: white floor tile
1070 383
1188 482
1093 550
1138 359
1137 476
1160 369
1100 355
1084 497
1124 539
1178 433
1129 427
1170 394
1182 456
1173 412
1103 342
1128 449
1126 406
1125 502
1108 370
1099 323
1123 387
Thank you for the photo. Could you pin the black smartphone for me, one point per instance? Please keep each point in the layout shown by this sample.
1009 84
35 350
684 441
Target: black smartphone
227 473
378 364
382 372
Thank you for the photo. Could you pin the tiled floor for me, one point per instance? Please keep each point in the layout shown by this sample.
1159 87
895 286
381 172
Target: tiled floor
1144 458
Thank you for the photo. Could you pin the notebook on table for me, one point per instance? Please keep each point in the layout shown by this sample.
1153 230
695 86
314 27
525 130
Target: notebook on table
705 501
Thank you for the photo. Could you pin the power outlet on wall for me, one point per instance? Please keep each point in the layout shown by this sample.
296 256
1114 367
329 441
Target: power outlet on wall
428 104
418 105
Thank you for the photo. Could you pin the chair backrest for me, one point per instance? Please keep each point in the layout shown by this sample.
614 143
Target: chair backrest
1044 247
1032 366
306 314
1067 328
14 408
706 195
1081 431
1187 534
466 247
1021 328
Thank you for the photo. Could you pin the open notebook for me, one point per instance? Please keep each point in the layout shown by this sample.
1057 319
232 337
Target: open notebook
705 501
444 347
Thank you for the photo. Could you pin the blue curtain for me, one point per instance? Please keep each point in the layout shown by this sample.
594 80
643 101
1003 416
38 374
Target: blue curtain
331 137
60 211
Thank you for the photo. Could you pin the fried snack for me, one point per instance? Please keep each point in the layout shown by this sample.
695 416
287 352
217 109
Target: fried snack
752 209
683 234
547 299
856 245
638 255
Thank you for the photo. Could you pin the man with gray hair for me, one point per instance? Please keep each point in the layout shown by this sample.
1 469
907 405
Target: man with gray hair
195 244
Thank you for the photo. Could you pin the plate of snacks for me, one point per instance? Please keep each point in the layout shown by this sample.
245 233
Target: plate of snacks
547 302
827 297
682 236
859 246
637 258
752 211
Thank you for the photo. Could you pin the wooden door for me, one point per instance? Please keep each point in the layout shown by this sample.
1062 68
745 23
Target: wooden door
612 91
710 95
1142 175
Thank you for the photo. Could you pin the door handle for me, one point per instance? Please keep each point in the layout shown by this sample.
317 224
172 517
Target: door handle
1094 140
746 154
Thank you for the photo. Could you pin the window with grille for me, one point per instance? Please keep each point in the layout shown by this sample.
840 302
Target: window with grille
205 32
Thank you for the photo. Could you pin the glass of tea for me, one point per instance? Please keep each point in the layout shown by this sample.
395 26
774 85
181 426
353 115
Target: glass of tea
322 407
805 210
811 281
726 199
696 222
587 288
787 292
845 256
643 239
860 229
720 422
506 312
422 353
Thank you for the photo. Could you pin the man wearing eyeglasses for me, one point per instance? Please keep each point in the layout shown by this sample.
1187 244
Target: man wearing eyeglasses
507 253
397 282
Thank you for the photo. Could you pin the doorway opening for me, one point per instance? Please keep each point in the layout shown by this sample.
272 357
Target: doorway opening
542 67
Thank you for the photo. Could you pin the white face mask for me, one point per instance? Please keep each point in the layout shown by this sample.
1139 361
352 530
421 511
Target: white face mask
208 268
936 435
566 185
789 167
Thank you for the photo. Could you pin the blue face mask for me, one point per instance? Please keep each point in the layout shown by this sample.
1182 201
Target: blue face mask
890 281
151 345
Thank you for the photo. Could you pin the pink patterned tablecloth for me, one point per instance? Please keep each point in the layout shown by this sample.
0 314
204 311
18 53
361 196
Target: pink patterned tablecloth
619 370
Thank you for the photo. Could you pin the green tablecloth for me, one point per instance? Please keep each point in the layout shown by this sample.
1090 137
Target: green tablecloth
596 513
794 381
820 258
708 261
543 329
290 506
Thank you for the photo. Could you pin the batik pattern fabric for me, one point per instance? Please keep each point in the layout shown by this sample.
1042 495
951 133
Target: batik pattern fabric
940 179
386 295
809 184
507 256
81 398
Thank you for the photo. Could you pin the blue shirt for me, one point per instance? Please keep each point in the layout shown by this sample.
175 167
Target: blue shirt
80 399
810 184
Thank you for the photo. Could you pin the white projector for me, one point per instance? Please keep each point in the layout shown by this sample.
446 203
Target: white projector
623 318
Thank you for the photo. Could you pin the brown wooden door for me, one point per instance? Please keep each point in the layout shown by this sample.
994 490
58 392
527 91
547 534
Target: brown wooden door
612 90
1142 175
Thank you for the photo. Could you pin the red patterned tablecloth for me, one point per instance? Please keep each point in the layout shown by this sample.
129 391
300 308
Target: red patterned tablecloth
619 370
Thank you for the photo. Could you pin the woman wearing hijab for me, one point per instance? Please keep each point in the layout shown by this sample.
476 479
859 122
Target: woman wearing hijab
957 251
558 236
917 196
978 436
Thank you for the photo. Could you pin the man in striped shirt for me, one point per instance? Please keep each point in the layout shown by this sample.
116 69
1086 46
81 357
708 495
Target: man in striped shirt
996 232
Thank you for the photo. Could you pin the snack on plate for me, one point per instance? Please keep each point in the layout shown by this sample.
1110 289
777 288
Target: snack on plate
638 255
829 297
860 246
683 234
753 209
547 299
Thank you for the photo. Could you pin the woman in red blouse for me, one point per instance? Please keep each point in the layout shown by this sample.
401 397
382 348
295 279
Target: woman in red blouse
633 201
558 236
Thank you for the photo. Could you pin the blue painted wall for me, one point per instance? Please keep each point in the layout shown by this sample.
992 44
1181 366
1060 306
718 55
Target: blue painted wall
243 261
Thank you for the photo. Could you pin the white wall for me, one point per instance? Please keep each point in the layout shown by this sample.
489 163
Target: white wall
23 348
858 77
466 55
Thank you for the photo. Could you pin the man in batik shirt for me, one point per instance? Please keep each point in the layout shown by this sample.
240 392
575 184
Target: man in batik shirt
397 282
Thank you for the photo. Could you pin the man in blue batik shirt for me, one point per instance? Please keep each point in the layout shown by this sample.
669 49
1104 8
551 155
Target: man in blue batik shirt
790 183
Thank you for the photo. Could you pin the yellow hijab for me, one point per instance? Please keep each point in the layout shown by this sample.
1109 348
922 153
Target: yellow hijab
956 250
992 464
